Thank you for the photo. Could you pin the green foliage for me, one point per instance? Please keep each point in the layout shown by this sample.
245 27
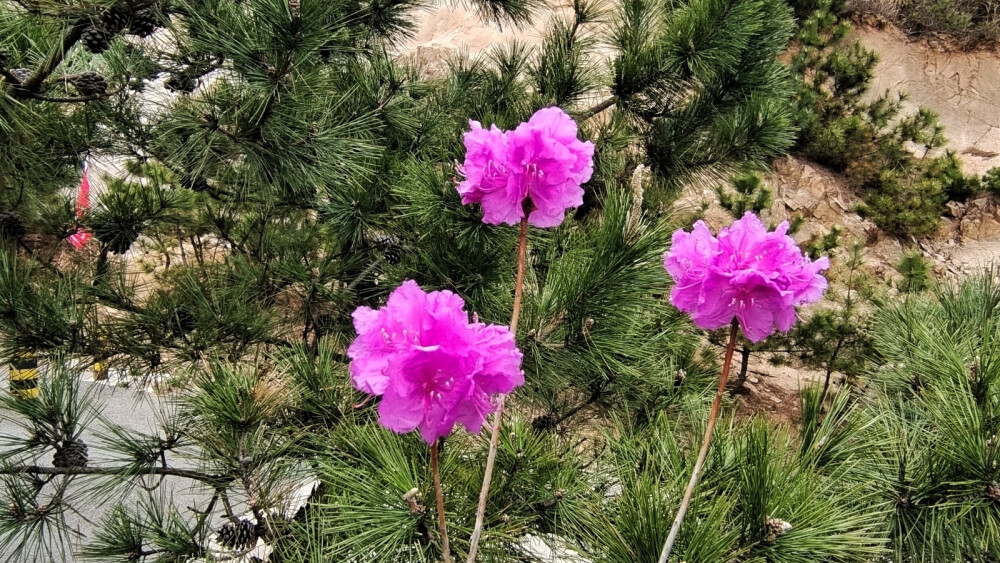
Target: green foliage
124 210
822 243
936 369
704 74
262 194
34 517
379 501
991 181
750 194
968 23
755 481
39 311
916 272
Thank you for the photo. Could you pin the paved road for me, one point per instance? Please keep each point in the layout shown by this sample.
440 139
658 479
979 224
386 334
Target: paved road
131 409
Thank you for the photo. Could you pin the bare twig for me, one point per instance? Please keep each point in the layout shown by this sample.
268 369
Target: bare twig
77 99
439 496
114 471
227 507
587 114
484 493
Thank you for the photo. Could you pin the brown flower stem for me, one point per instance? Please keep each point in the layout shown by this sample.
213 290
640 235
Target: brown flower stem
522 250
484 493
439 495
675 528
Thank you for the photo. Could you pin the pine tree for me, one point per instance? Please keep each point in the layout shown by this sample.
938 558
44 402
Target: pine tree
298 170
934 385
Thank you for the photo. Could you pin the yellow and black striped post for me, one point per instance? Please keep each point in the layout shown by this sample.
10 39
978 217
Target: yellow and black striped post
24 376
100 370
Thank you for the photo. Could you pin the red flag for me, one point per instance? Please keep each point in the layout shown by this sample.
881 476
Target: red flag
82 235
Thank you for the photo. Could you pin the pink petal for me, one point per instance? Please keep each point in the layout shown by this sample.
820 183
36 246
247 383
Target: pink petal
746 273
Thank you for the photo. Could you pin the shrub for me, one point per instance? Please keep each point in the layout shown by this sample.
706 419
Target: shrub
991 181
916 272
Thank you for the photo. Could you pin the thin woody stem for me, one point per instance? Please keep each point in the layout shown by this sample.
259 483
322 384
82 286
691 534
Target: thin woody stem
522 249
484 494
439 495
696 473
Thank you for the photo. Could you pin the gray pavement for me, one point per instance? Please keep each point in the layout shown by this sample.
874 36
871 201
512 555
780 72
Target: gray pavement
132 409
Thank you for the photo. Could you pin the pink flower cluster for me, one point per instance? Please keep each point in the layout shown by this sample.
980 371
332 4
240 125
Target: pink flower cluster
432 367
541 162
747 273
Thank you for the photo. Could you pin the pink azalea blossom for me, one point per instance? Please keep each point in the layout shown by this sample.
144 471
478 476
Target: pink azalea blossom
756 276
432 367
540 166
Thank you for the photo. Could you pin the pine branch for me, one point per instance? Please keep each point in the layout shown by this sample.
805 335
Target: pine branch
30 87
594 110
79 99
214 480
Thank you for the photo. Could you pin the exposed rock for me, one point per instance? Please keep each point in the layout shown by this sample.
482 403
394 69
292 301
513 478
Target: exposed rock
550 548
445 29
818 194
956 209
982 227
963 87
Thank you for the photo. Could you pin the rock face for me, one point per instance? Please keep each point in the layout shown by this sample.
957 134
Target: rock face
817 194
962 87
458 28
976 220
445 30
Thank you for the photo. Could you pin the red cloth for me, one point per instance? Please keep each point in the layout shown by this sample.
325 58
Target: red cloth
82 235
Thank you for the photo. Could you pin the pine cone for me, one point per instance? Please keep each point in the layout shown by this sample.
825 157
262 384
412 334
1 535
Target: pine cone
776 527
144 22
72 453
392 251
21 74
96 38
993 491
90 84
114 20
11 226
238 537
181 82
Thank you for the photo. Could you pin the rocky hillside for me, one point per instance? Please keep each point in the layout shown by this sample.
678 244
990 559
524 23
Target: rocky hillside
962 87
